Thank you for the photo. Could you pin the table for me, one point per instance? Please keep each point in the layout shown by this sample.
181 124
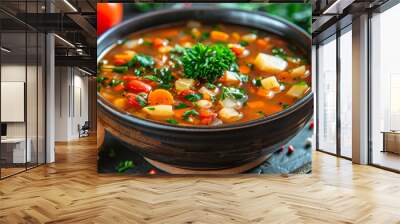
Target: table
391 141
13 150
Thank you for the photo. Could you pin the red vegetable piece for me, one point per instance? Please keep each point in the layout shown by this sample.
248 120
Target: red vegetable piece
137 86
152 172
311 125
290 149
120 61
207 116
129 78
119 87
133 102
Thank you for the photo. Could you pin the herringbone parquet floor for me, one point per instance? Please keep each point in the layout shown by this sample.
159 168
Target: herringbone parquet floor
71 191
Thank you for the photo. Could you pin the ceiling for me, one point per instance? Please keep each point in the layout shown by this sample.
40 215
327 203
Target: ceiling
72 20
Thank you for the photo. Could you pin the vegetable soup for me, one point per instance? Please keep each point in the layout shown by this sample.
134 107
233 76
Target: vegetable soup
200 74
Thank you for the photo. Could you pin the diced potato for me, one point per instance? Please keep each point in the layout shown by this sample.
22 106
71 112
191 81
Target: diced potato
251 37
231 103
270 83
187 44
133 43
269 63
120 103
107 68
203 90
184 84
229 115
298 90
204 104
164 49
195 32
159 111
230 78
298 72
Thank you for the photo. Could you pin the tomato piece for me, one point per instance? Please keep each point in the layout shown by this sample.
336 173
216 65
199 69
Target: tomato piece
206 116
158 42
135 101
128 78
137 86
119 87
186 92
237 50
108 15
120 61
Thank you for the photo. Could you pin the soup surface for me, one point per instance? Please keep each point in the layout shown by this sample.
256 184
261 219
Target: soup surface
198 74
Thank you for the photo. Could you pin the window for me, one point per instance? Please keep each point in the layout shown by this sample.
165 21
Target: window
346 92
385 89
326 106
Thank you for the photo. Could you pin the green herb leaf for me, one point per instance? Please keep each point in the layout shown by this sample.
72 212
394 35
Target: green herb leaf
152 78
203 62
256 82
210 86
101 79
120 69
124 166
151 108
189 113
115 82
181 106
193 97
233 93
141 101
143 60
279 52
147 43
244 43
171 121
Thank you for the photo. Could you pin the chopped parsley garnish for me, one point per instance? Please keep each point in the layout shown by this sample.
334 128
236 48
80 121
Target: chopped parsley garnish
256 82
120 69
210 86
147 43
115 82
181 106
101 79
261 113
151 108
189 113
233 93
141 101
193 97
152 78
124 166
202 62
204 36
285 105
279 52
171 121
143 60
138 72
243 43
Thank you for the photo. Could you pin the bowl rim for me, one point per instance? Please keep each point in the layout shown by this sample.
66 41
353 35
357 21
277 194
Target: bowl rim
131 119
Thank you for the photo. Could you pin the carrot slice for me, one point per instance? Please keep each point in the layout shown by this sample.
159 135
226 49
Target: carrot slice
244 69
219 36
256 104
262 43
160 97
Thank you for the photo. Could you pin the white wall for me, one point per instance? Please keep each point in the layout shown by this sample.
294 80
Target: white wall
71 94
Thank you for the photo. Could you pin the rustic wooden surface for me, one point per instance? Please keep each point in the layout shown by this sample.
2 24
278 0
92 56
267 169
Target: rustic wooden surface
71 191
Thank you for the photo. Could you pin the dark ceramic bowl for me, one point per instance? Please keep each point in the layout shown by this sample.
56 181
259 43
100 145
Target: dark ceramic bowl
206 147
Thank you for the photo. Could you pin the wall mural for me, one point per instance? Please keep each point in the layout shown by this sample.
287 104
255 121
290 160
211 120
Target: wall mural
204 88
